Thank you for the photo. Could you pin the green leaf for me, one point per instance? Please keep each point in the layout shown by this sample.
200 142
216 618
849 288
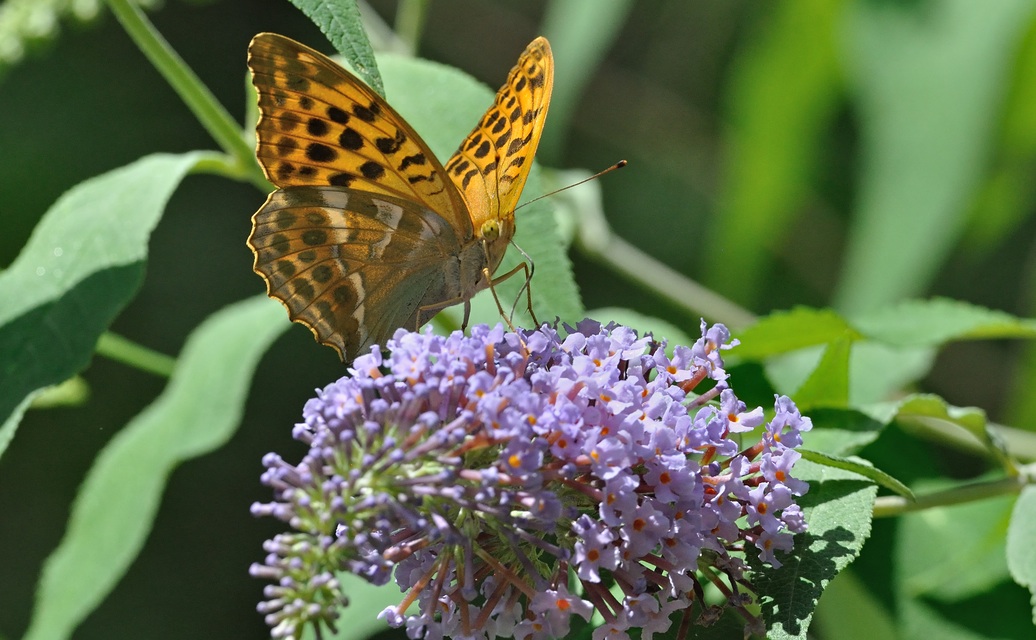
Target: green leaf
878 371
784 331
840 432
931 411
859 467
1021 552
925 323
781 100
838 512
977 561
340 21
942 64
443 104
197 412
10 425
828 385
81 266
951 575
849 610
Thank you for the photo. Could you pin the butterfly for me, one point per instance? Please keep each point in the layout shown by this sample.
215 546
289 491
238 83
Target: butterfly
368 232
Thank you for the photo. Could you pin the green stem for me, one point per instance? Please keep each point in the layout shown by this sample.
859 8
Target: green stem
123 350
210 113
410 18
1005 445
598 242
887 506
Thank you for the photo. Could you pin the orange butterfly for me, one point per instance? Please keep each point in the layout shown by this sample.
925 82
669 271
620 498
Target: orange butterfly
367 231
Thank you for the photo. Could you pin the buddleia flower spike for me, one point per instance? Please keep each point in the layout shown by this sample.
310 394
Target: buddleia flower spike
512 484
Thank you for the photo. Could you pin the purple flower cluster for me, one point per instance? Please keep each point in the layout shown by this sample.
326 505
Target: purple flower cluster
489 475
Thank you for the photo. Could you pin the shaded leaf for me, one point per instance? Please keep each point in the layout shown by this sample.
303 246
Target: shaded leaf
859 467
838 511
1021 552
977 562
82 264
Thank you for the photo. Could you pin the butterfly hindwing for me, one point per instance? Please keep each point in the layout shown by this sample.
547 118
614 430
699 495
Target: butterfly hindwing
353 266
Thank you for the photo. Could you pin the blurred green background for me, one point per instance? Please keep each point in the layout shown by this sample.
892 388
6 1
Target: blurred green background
826 153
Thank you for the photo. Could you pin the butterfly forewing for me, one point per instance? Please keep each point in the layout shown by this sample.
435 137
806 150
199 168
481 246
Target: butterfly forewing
321 126
353 266
493 163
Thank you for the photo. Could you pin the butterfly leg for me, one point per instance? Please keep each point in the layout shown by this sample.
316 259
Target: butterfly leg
467 315
424 312
529 266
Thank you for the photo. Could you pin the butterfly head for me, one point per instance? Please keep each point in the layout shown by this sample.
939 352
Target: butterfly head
495 234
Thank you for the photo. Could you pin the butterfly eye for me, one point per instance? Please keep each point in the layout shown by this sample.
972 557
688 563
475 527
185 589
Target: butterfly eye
491 230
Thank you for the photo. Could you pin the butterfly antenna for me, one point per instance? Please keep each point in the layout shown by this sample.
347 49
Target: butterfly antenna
618 165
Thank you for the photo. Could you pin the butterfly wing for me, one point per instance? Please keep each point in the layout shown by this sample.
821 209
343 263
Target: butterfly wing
492 164
354 266
319 125
367 233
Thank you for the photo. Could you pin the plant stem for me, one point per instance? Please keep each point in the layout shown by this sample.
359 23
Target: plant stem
210 113
887 506
598 242
126 351
410 22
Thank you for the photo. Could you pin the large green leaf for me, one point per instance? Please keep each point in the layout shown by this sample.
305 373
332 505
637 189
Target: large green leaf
828 385
978 561
113 512
81 266
1021 552
838 511
950 568
785 331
